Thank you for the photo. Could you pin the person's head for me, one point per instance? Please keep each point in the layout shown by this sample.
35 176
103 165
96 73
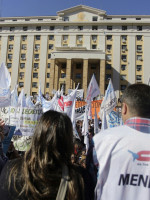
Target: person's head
53 139
136 101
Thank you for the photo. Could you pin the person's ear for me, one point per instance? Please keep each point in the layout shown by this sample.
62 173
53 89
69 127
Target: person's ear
124 108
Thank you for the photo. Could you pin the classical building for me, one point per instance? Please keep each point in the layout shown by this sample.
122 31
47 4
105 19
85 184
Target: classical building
68 48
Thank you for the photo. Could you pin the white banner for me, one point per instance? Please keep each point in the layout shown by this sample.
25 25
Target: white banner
25 122
79 93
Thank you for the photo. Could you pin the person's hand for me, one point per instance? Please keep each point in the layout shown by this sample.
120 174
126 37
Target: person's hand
2 123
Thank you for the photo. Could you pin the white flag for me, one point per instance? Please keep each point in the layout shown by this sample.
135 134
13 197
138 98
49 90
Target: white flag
93 90
85 127
95 122
14 97
110 100
29 102
104 122
5 79
22 99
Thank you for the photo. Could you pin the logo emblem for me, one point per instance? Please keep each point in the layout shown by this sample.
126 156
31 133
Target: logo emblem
141 155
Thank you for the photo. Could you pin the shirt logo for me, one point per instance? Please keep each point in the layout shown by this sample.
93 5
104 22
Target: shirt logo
141 155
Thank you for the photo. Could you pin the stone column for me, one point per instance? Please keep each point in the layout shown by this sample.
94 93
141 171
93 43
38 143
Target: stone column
52 69
102 77
56 75
85 76
68 75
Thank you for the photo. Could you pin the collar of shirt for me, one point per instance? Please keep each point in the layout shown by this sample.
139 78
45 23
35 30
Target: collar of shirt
139 124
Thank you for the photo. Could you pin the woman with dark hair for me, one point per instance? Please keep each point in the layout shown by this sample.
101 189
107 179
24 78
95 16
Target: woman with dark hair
45 172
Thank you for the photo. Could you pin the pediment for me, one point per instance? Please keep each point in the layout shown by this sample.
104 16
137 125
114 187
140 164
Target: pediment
81 13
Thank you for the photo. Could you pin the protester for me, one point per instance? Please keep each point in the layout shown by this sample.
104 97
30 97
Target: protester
45 172
123 153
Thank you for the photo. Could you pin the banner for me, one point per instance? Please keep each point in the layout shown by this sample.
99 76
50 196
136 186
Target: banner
79 93
80 109
24 121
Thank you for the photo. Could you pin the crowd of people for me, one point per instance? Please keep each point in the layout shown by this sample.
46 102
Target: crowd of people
57 165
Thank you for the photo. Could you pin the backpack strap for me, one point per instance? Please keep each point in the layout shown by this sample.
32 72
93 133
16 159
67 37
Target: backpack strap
63 184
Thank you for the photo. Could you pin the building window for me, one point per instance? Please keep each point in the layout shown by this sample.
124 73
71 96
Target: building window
108 57
10 47
80 28
48 75
24 37
51 46
65 37
139 67
63 75
108 66
66 19
139 78
93 66
23 56
51 37
21 84
139 57
49 56
36 56
139 48
38 28
22 65
9 65
65 45
78 76
124 58
12 28
123 67
63 66
123 87
109 47
94 46
108 76
27 20
37 47
138 18
0 29
10 56
47 85
139 28
24 46
52 28
123 77
37 37
25 28
124 48
124 28
21 75
80 38
36 65
11 38
94 28
139 37
40 19
49 65
66 28
34 85
78 66
35 75
94 18
109 37
94 38
109 28
124 38
123 18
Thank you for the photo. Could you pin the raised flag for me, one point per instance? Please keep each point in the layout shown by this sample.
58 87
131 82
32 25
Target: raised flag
93 90
110 100
95 122
14 97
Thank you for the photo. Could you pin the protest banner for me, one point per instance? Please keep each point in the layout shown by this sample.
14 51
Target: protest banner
25 121
22 143
80 108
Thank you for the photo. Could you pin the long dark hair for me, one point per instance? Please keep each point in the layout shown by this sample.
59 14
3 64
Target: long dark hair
52 146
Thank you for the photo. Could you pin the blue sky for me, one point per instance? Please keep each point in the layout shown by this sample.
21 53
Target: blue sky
11 8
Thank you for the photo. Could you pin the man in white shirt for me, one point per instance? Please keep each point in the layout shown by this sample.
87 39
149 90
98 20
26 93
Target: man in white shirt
123 153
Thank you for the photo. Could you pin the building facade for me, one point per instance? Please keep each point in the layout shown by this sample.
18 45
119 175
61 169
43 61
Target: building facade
68 48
